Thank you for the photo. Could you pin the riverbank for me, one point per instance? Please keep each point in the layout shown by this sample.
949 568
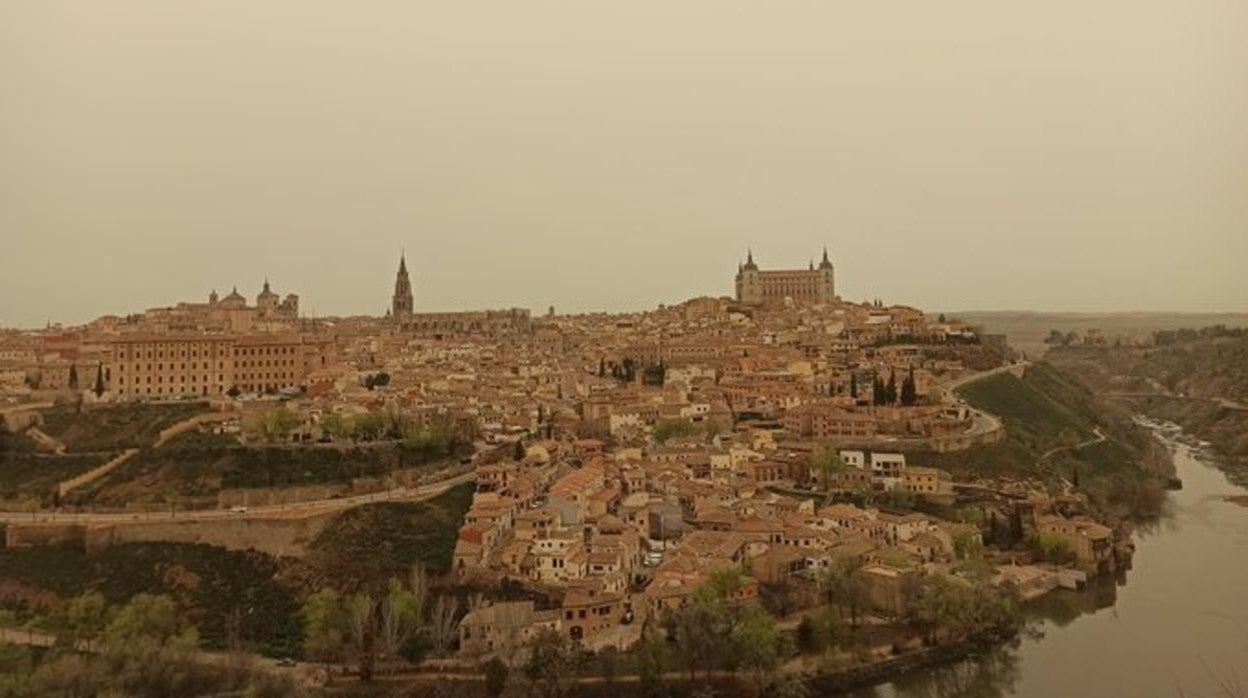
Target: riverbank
1175 624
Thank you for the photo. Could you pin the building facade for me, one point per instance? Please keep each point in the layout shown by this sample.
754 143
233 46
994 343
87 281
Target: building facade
776 286
147 367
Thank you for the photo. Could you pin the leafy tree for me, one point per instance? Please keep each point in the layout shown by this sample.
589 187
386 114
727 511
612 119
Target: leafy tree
759 646
827 462
325 625
335 426
551 661
146 618
273 426
843 586
667 429
953 608
1050 547
652 662
399 617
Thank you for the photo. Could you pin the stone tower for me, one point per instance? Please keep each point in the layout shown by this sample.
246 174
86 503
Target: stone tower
827 279
749 288
401 304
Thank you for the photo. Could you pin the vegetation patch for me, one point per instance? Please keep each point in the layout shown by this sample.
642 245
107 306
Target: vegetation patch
115 427
35 475
366 546
1052 420
199 464
230 596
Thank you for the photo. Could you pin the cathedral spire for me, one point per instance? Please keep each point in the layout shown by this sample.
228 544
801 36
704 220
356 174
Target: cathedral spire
402 303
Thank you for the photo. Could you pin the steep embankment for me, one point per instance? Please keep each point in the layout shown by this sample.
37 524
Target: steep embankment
1060 432
1193 383
232 597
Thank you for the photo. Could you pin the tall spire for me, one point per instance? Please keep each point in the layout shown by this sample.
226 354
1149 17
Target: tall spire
266 284
826 263
402 303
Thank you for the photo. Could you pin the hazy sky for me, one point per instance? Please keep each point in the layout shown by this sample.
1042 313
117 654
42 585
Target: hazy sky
1064 155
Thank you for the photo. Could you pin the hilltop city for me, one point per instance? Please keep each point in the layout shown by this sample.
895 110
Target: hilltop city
597 478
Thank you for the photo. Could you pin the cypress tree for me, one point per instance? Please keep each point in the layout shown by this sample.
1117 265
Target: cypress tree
99 380
909 393
73 376
853 385
891 389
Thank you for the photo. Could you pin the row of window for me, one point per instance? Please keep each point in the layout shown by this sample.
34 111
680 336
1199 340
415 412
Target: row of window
221 350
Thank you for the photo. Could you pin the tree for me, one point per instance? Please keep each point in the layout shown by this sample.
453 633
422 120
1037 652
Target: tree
361 622
325 625
335 426
909 391
399 618
652 661
146 618
443 626
843 586
954 608
273 426
73 377
602 367
759 646
890 390
99 380
550 665
667 429
827 462
86 616
520 451
1050 547
496 673
853 385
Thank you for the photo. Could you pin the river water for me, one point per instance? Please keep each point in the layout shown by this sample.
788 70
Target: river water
1175 625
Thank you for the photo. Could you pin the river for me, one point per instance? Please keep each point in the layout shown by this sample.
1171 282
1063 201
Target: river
1175 625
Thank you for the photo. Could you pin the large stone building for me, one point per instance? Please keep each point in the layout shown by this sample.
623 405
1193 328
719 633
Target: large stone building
161 366
229 314
776 286
489 323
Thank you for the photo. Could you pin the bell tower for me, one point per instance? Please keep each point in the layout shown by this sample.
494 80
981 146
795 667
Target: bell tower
401 305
